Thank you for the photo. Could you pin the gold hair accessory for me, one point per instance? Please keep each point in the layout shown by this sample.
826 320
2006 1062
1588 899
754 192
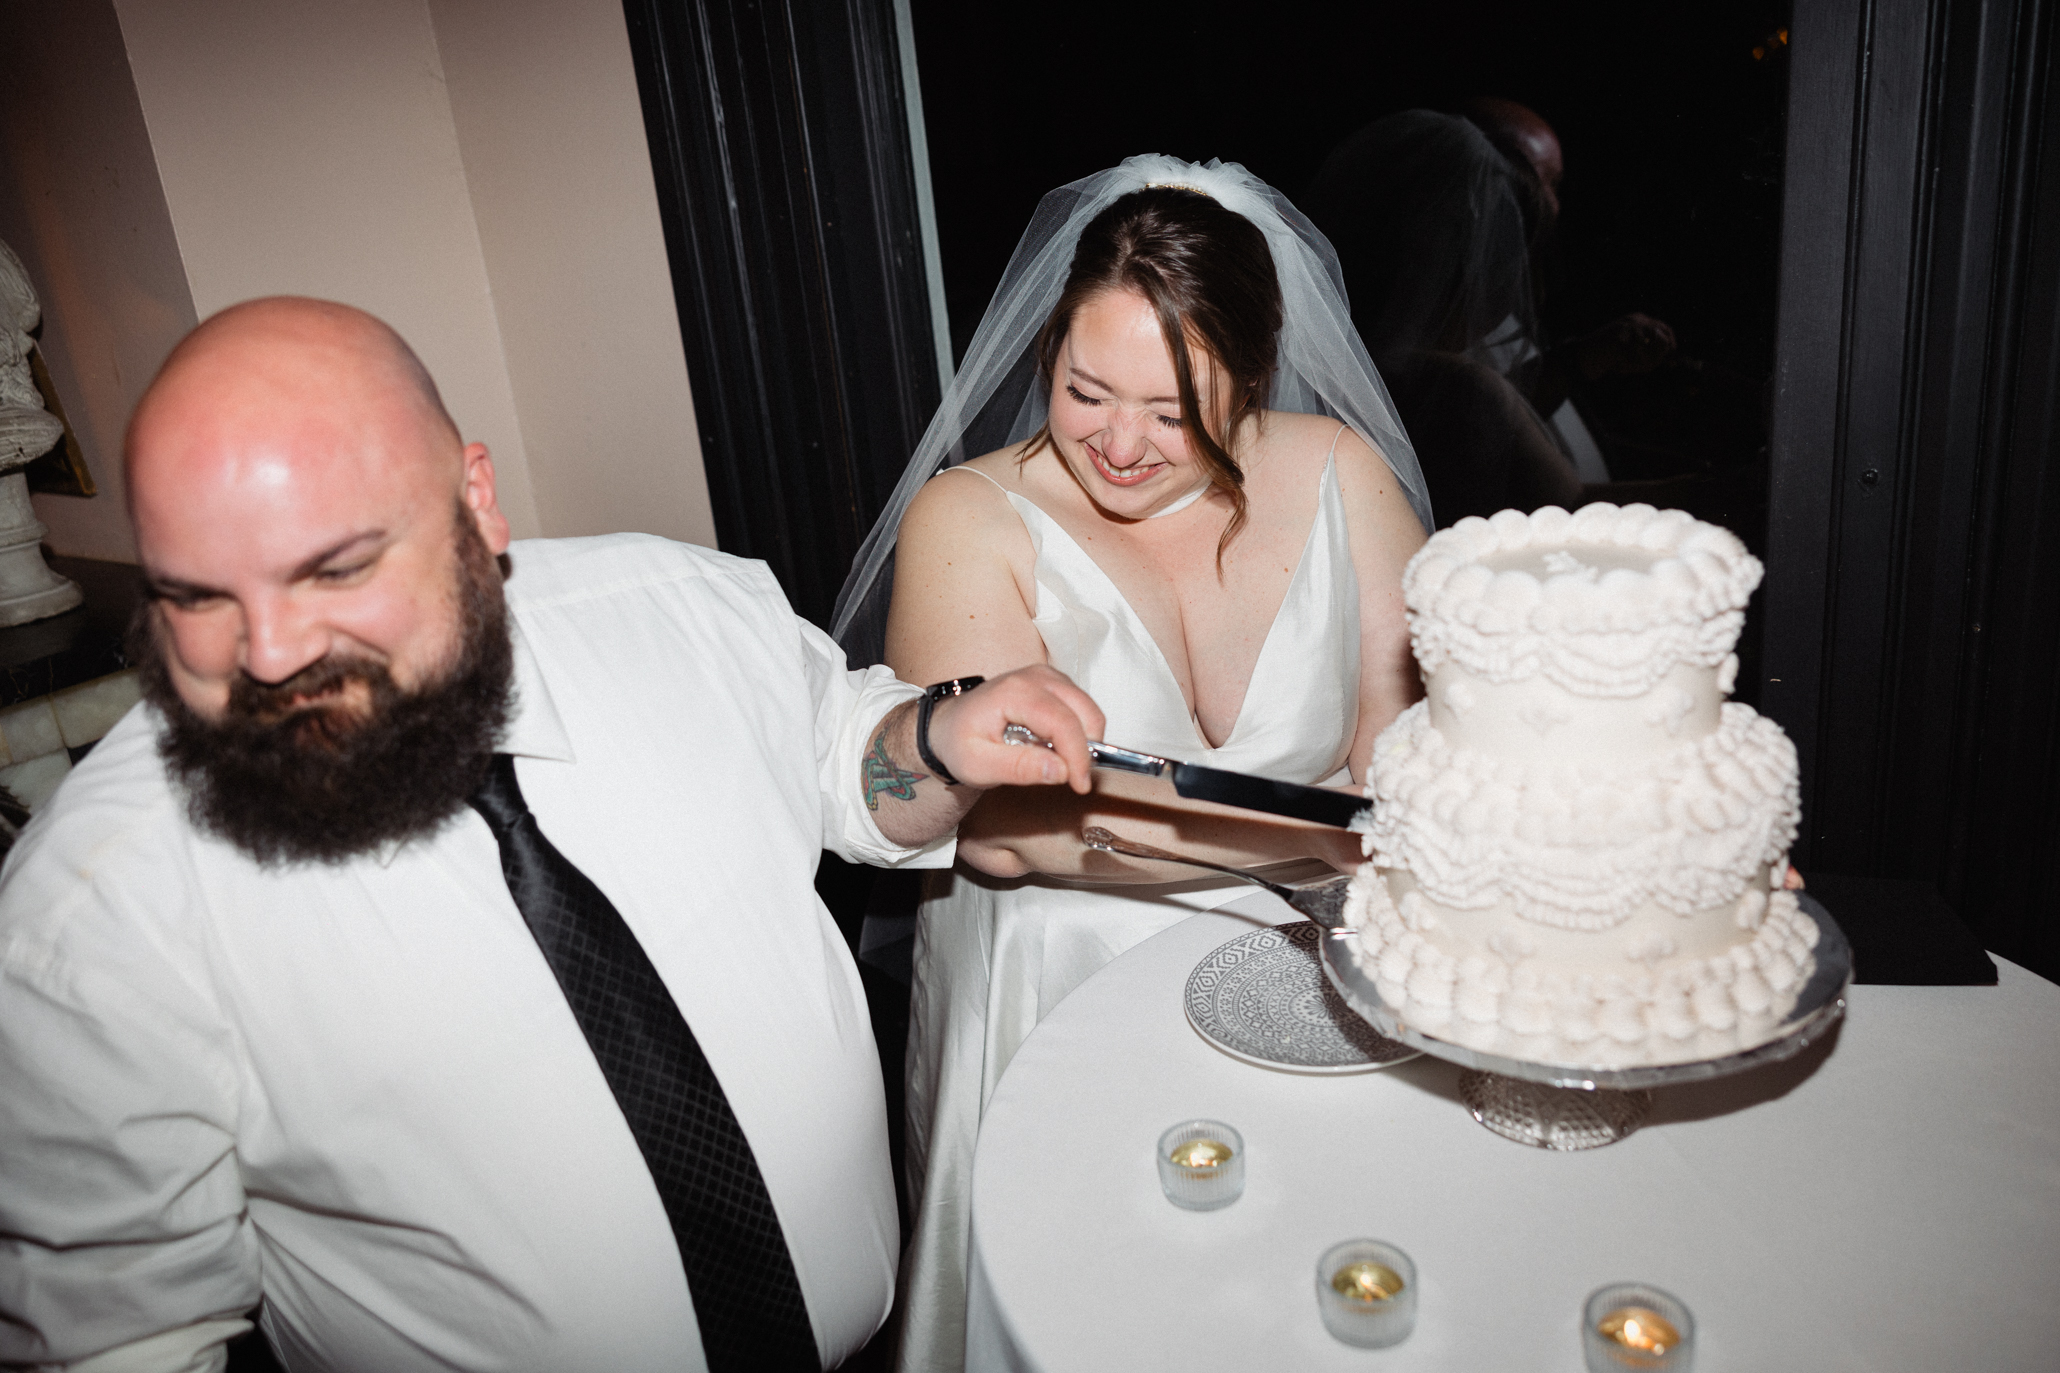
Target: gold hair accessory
1176 186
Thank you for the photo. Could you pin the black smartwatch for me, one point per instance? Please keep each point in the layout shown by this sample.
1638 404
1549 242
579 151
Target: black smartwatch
957 686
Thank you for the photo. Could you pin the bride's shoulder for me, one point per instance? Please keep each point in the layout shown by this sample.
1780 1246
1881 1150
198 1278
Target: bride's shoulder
1288 429
1306 442
1314 439
969 494
1299 438
1298 443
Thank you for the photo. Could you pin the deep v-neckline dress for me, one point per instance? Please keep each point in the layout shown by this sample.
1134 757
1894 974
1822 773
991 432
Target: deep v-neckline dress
1302 705
993 957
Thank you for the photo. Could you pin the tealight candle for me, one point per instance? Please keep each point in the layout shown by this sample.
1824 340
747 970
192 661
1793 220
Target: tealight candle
1368 1282
1366 1291
1202 1154
1634 1326
1640 1328
1202 1165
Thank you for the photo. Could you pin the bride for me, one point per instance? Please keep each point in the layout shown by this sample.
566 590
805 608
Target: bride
1168 469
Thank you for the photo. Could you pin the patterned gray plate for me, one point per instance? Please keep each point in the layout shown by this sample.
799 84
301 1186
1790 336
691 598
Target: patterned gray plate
1262 998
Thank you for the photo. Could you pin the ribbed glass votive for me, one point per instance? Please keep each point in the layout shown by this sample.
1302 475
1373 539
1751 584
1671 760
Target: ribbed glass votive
1634 1327
1202 1164
1366 1290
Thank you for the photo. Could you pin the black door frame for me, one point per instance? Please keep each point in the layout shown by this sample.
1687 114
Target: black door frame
1912 601
786 180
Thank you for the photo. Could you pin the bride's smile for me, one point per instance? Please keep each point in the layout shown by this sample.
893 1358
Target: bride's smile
1116 414
1122 476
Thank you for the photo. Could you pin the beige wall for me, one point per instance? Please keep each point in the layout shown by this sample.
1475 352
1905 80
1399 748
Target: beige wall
552 134
80 202
308 149
473 172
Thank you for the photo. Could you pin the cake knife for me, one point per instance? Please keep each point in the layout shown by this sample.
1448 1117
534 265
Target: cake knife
1318 805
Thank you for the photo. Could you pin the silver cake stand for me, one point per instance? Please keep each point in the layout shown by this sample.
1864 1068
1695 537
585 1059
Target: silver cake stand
1562 1106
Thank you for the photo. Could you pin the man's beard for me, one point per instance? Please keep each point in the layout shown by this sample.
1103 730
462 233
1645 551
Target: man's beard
313 780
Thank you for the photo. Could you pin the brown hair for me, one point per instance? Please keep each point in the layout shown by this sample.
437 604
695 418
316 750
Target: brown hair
1207 272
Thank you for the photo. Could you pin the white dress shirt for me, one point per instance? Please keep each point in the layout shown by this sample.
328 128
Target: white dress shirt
357 1092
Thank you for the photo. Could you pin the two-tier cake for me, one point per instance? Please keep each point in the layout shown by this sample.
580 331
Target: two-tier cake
1577 846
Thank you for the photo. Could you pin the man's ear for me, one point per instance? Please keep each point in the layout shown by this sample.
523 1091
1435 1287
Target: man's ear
482 500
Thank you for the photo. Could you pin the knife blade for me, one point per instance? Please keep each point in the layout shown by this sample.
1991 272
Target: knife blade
1291 799
1295 801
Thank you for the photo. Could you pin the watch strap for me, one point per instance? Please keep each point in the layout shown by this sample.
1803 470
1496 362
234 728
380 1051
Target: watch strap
957 686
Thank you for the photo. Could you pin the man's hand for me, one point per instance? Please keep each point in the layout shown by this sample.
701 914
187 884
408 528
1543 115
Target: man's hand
966 731
912 806
1624 347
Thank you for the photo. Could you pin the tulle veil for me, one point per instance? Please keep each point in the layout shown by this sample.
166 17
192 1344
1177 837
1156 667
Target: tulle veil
997 398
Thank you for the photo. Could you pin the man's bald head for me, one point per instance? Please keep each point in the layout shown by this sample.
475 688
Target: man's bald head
1520 134
285 364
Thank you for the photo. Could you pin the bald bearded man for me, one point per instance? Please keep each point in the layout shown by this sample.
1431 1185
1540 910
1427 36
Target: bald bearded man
433 958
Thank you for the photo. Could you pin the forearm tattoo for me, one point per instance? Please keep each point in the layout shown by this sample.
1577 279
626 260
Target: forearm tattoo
881 775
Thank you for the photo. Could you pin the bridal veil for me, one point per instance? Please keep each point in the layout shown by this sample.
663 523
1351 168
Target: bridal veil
997 397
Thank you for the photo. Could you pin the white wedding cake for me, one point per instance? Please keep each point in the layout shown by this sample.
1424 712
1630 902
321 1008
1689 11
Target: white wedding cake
1577 847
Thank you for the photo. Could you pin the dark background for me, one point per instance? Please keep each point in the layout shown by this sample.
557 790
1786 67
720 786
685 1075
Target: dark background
1671 119
1672 128
1880 194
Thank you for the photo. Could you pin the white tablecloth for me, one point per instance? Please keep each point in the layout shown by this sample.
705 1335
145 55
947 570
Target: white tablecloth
1890 1200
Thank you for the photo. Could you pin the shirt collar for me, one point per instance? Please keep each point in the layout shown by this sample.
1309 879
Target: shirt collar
536 731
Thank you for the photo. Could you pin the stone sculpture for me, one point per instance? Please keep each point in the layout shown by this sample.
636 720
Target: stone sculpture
29 590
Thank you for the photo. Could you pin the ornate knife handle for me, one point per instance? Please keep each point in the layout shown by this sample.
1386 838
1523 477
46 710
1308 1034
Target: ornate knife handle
1101 755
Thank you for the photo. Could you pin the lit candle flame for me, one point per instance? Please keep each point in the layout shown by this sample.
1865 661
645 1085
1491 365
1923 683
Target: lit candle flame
1637 1327
1205 1155
1367 1281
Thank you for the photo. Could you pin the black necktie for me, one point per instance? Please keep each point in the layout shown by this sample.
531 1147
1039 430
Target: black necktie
746 1296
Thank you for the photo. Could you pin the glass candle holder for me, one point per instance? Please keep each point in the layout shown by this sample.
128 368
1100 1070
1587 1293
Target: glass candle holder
1366 1291
1202 1165
1636 1326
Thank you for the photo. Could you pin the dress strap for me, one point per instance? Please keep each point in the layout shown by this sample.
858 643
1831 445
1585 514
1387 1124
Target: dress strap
1026 509
1333 445
968 467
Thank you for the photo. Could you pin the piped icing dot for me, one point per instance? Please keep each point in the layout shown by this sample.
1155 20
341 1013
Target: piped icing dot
1752 909
1623 1020
1577 1026
1417 913
1478 1002
1673 1017
1752 994
1713 1008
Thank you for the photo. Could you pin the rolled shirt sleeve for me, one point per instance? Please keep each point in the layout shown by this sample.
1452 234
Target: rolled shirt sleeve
849 706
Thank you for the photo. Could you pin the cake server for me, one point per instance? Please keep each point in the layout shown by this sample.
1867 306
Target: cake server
1322 903
1318 805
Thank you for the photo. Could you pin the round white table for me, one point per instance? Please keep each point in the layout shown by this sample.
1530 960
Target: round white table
1890 1200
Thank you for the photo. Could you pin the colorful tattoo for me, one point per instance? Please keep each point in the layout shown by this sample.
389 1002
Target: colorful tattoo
881 774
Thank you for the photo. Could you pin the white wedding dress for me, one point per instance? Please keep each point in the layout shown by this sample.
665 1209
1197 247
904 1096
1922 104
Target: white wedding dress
993 957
